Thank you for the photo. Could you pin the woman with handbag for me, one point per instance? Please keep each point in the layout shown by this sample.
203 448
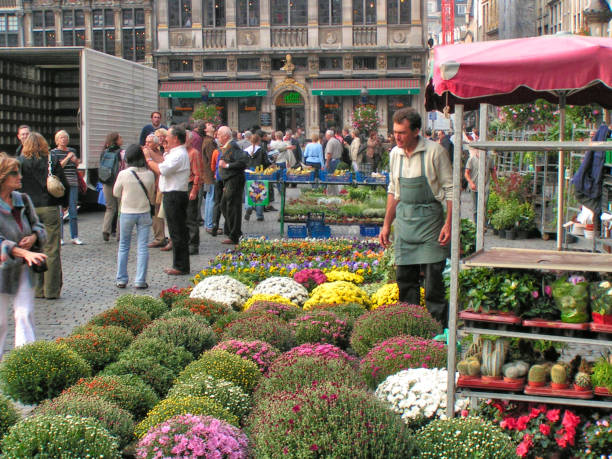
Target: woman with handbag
69 161
135 190
20 233
42 179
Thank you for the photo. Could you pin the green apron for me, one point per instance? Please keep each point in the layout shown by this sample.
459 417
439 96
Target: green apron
419 218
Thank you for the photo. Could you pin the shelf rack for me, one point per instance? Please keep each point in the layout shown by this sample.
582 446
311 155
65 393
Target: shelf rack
512 258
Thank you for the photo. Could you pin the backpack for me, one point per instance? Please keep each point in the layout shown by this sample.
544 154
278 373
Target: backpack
109 166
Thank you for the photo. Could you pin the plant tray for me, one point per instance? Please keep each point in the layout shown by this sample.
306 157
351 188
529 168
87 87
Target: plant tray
297 231
550 392
602 391
479 383
493 317
369 231
300 177
600 328
543 323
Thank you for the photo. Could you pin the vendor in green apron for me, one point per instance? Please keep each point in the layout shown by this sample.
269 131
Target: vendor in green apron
420 180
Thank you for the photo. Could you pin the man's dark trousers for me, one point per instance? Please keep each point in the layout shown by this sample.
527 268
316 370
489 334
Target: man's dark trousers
193 225
175 208
231 203
217 204
409 286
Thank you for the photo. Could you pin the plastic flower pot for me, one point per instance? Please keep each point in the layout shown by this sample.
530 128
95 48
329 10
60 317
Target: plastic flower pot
491 378
511 234
536 383
602 318
559 386
514 380
581 389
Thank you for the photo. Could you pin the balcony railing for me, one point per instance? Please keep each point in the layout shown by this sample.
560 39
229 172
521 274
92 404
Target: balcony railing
214 38
289 37
364 35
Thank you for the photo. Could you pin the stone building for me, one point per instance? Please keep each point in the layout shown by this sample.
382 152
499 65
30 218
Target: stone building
290 63
121 28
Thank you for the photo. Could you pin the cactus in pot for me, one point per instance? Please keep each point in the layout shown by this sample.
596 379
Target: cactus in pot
537 376
469 367
515 370
559 376
493 356
582 381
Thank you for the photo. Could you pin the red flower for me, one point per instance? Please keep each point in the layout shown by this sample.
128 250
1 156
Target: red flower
553 415
508 423
523 448
297 408
521 423
314 448
545 429
570 420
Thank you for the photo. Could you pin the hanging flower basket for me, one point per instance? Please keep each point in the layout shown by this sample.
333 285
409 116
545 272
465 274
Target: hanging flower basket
207 113
365 118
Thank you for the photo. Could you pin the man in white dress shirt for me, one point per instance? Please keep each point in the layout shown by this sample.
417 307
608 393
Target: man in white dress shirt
173 183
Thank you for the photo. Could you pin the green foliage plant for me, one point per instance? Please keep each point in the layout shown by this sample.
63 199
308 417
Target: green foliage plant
173 406
155 307
602 374
126 391
208 309
159 377
188 332
463 438
230 396
8 415
207 113
389 321
40 370
224 365
327 420
129 317
321 327
163 352
264 327
118 422
59 436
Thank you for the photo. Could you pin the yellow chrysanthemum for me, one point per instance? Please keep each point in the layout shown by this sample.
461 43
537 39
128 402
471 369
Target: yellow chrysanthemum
267 297
338 292
387 294
335 275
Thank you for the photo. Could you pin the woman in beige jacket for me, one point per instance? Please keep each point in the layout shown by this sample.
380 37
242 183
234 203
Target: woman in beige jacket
354 150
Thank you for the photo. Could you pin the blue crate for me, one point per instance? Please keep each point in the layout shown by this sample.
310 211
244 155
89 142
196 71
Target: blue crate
381 180
327 177
251 176
320 231
297 231
301 178
360 177
369 231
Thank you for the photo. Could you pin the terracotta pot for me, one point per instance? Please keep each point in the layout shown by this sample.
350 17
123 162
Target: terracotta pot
581 389
558 386
536 383
491 378
514 380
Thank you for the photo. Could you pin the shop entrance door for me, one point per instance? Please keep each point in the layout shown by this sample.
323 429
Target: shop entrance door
290 113
289 118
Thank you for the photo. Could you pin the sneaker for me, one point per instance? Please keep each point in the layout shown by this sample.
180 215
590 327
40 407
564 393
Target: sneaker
77 241
61 242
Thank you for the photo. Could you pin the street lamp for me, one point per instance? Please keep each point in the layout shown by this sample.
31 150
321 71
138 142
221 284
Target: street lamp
364 95
204 93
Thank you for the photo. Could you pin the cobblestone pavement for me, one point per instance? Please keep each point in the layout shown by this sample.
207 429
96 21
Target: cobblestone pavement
89 270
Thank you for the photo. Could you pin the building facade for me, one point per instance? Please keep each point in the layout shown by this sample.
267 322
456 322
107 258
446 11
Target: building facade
286 64
120 28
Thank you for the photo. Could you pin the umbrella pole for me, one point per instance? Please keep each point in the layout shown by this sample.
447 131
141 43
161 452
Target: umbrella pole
561 173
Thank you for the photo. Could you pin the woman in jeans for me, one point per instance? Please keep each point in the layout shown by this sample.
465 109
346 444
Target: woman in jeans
69 161
20 231
34 161
135 190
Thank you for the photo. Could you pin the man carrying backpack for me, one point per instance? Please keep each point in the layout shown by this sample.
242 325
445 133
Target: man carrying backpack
111 162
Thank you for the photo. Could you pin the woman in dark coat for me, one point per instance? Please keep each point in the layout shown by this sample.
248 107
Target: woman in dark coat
20 232
34 161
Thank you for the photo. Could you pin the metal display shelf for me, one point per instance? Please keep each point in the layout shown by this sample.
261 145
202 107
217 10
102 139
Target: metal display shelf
503 257
534 398
529 335
539 145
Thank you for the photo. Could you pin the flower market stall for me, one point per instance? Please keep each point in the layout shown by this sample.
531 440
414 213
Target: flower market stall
542 67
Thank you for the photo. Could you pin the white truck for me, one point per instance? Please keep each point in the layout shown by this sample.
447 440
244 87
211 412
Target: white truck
85 92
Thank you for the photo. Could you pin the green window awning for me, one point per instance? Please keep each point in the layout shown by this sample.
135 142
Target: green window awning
379 87
216 89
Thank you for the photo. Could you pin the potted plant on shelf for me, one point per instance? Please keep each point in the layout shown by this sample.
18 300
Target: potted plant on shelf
559 375
494 350
537 376
526 220
602 376
601 302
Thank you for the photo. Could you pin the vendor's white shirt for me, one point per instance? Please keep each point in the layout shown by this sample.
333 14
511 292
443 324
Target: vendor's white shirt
174 170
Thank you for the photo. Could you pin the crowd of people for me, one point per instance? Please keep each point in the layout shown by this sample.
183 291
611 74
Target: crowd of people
172 183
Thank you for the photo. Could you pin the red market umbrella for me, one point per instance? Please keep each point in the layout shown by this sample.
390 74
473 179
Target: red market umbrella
508 72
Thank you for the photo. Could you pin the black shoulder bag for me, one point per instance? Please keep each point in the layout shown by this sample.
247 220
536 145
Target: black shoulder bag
152 210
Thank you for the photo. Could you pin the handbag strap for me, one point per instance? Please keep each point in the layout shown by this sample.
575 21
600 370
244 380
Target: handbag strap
50 170
142 185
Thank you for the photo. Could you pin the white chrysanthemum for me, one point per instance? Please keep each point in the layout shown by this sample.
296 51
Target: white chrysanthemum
283 286
417 392
222 289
